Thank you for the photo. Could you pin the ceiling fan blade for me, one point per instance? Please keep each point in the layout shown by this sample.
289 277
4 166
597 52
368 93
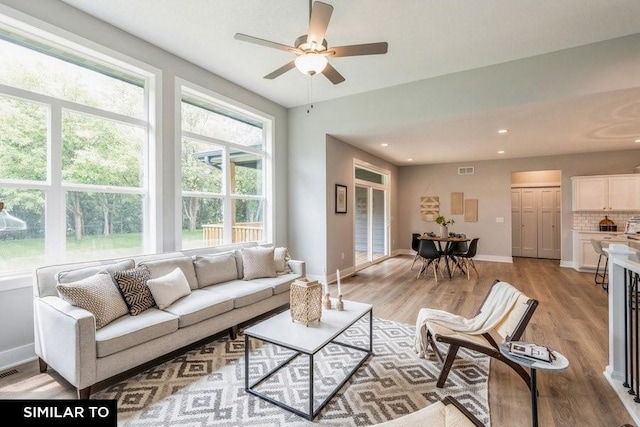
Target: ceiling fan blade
332 74
360 49
280 71
318 22
262 42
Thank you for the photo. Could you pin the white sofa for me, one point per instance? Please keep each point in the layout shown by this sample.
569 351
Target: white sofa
66 338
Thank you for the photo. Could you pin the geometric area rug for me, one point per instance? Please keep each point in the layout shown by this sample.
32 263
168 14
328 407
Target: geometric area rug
205 386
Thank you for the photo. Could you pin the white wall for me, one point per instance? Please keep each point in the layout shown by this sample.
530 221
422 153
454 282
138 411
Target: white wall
599 67
53 15
491 185
340 227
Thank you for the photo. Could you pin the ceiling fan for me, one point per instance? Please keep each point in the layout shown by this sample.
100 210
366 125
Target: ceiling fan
312 49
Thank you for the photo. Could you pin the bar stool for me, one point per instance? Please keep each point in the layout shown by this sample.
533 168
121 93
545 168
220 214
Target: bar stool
600 278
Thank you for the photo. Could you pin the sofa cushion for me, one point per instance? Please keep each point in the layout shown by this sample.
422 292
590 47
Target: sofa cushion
199 305
238 254
97 294
71 276
129 331
218 268
258 262
279 284
134 289
169 288
243 293
281 257
161 267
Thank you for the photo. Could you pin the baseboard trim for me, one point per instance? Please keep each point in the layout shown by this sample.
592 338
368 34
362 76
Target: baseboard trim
568 264
623 394
494 258
17 356
479 257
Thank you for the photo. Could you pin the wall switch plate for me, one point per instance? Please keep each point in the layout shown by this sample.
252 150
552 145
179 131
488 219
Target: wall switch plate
500 220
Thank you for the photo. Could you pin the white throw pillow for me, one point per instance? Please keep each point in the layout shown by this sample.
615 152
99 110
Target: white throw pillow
258 262
169 288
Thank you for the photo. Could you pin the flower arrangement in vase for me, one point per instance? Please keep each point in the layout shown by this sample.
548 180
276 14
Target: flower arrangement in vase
443 223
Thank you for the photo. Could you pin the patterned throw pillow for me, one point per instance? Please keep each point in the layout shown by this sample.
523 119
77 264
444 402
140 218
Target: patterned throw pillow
97 294
281 256
134 289
258 262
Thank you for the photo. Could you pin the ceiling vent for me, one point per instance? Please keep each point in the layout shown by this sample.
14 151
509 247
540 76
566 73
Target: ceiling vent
466 170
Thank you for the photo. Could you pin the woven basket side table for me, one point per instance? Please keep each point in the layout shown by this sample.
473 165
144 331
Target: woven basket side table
305 298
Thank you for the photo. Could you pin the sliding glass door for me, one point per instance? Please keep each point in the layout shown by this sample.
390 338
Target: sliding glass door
371 222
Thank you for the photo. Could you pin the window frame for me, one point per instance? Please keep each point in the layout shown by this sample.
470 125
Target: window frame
53 186
192 90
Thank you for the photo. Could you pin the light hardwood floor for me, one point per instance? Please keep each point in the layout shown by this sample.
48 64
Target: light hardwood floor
571 317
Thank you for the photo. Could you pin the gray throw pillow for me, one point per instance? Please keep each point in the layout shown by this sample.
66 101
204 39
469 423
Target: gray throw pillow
218 268
258 262
96 294
161 267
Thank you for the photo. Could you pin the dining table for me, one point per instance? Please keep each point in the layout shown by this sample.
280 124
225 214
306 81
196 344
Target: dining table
447 251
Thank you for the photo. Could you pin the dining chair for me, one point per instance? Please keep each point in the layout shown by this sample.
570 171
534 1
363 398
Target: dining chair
415 245
430 257
464 260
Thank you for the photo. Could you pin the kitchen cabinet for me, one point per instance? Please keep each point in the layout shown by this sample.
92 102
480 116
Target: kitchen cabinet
585 258
606 193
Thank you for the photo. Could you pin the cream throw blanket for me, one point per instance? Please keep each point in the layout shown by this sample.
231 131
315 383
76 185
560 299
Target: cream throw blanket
499 303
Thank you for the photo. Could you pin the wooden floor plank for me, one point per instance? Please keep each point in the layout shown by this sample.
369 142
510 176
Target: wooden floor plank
571 317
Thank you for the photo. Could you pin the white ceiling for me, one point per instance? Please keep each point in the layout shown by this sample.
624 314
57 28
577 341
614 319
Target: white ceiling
426 39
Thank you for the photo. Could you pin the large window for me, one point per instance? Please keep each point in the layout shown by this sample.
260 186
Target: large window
73 155
224 163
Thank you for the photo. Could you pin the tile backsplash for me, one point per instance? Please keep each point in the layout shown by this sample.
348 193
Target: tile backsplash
589 221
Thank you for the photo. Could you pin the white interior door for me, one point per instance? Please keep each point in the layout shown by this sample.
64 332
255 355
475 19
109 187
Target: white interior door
546 223
558 223
371 236
535 222
370 225
362 226
529 224
378 224
516 224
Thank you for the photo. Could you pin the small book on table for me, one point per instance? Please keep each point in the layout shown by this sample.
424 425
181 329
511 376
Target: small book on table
531 351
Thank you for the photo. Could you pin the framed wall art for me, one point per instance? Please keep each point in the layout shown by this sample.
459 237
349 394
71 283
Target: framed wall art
471 210
429 207
341 199
457 203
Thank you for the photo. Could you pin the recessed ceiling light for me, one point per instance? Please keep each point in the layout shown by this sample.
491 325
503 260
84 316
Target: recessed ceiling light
501 152
409 160
637 140
503 131
384 144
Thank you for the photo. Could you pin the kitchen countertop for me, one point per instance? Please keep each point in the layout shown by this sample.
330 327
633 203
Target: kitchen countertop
599 232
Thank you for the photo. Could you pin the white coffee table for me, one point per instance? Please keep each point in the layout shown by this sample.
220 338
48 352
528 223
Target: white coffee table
306 340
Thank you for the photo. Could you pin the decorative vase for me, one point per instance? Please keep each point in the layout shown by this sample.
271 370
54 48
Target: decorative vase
444 231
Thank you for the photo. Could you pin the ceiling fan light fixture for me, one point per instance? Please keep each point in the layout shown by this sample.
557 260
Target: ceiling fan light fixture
311 63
